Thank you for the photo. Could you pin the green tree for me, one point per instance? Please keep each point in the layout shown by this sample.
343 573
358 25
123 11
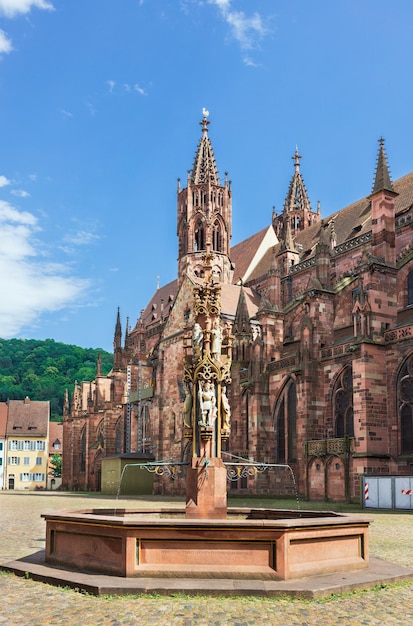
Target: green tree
43 370
56 465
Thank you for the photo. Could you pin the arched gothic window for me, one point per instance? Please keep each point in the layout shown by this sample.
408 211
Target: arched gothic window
410 288
343 404
405 406
216 237
199 236
100 436
83 450
286 424
118 437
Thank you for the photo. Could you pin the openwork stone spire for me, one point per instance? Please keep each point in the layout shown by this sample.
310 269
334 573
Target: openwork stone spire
382 181
297 197
205 169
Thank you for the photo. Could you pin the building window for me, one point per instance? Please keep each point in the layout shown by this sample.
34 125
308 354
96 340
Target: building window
83 450
286 424
118 437
410 288
216 237
405 406
1 445
13 460
199 236
343 404
26 460
38 477
39 460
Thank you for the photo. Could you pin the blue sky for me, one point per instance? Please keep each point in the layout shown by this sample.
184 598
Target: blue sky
100 103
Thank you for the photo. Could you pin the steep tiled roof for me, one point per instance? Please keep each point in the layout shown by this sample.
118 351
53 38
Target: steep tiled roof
3 419
162 299
404 187
242 255
27 417
230 296
55 434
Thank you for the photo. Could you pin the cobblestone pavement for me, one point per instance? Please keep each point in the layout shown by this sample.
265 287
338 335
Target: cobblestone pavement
26 602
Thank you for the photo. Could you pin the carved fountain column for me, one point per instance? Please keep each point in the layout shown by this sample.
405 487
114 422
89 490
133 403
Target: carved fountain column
207 367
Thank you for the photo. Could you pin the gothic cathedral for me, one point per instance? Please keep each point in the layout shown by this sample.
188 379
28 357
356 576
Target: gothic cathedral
318 314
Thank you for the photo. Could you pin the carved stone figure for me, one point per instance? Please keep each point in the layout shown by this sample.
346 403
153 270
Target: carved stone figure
216 340
207 403
188 406
226 409
197 341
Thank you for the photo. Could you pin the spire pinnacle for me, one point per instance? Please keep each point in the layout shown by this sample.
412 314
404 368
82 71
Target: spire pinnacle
297 197
382 181
118 332
296 158
205 169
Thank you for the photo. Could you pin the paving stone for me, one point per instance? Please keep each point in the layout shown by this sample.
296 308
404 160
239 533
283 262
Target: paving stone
32 603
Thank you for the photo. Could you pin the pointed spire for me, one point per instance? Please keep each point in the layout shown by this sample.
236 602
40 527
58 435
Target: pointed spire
99 366
242 318
382 181
296 158
66 403
127 333
117 340
205 169
297 197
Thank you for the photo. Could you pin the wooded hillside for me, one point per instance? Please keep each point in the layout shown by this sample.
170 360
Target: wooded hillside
43 370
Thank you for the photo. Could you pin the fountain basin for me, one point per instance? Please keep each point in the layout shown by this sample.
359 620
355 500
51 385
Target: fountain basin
253 544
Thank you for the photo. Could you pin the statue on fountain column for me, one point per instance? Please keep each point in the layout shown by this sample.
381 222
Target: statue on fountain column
216 340
225 410
188 406
207 403
197 341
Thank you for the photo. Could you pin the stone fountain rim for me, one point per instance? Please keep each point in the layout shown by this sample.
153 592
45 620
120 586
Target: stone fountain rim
138 517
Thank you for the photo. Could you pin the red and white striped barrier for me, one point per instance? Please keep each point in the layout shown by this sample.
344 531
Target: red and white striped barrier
366 491
407 492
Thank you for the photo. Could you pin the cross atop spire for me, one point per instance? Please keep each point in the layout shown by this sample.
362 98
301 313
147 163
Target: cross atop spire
205 168
296 158
382 181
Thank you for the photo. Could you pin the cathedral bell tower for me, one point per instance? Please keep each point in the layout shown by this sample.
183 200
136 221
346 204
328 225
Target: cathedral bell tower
204 215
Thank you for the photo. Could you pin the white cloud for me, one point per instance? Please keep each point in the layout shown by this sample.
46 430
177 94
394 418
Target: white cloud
4 181
32 286
11 8
111 84
140 90
66 113
5 43
81 238
20 193
247 30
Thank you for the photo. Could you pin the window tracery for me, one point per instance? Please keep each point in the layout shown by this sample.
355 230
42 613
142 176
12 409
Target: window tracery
405 405
343 404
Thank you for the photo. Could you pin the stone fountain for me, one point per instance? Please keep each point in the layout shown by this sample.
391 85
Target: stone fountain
207 541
